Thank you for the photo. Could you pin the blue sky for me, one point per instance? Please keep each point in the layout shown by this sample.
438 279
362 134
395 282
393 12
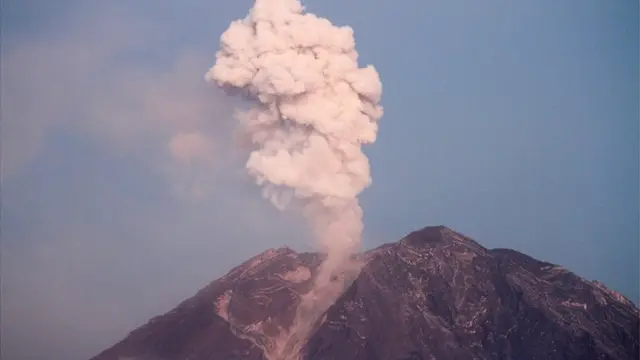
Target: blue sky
515 123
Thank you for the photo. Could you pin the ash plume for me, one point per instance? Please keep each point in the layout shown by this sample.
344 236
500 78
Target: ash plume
312 109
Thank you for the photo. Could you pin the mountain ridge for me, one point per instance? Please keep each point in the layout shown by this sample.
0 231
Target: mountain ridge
434 294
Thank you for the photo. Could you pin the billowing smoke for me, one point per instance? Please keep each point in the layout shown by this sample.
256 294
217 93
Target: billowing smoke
313 108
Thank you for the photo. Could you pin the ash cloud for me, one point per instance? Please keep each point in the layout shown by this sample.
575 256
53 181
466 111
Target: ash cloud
313 108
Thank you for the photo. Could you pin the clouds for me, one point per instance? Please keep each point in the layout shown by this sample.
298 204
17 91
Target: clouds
192 166
186 147
101 75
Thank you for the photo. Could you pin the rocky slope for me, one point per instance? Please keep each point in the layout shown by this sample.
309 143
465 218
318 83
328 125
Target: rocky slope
435 294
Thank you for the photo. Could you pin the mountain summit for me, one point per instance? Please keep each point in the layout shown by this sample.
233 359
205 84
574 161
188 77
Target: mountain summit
435 294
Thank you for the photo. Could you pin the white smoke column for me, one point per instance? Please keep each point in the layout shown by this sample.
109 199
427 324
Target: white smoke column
314 108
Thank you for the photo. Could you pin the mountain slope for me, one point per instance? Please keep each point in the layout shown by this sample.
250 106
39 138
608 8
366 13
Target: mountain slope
435 294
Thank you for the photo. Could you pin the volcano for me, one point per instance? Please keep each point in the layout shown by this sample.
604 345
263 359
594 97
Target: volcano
435 294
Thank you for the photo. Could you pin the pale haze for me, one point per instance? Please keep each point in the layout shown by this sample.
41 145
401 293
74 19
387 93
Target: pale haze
124 185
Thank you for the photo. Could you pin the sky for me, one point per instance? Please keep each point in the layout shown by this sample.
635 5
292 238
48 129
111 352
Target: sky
123 193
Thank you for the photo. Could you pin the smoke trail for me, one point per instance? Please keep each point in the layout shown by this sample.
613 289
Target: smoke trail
313 109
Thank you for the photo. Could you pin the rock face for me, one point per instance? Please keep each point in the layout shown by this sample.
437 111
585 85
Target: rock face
435 294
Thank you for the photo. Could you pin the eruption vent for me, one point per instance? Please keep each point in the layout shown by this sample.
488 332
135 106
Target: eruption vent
313 108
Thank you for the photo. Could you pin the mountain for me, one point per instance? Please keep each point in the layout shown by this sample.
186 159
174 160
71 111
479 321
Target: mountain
435 294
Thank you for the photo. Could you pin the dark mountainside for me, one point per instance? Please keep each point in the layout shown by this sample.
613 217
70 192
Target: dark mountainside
435 294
